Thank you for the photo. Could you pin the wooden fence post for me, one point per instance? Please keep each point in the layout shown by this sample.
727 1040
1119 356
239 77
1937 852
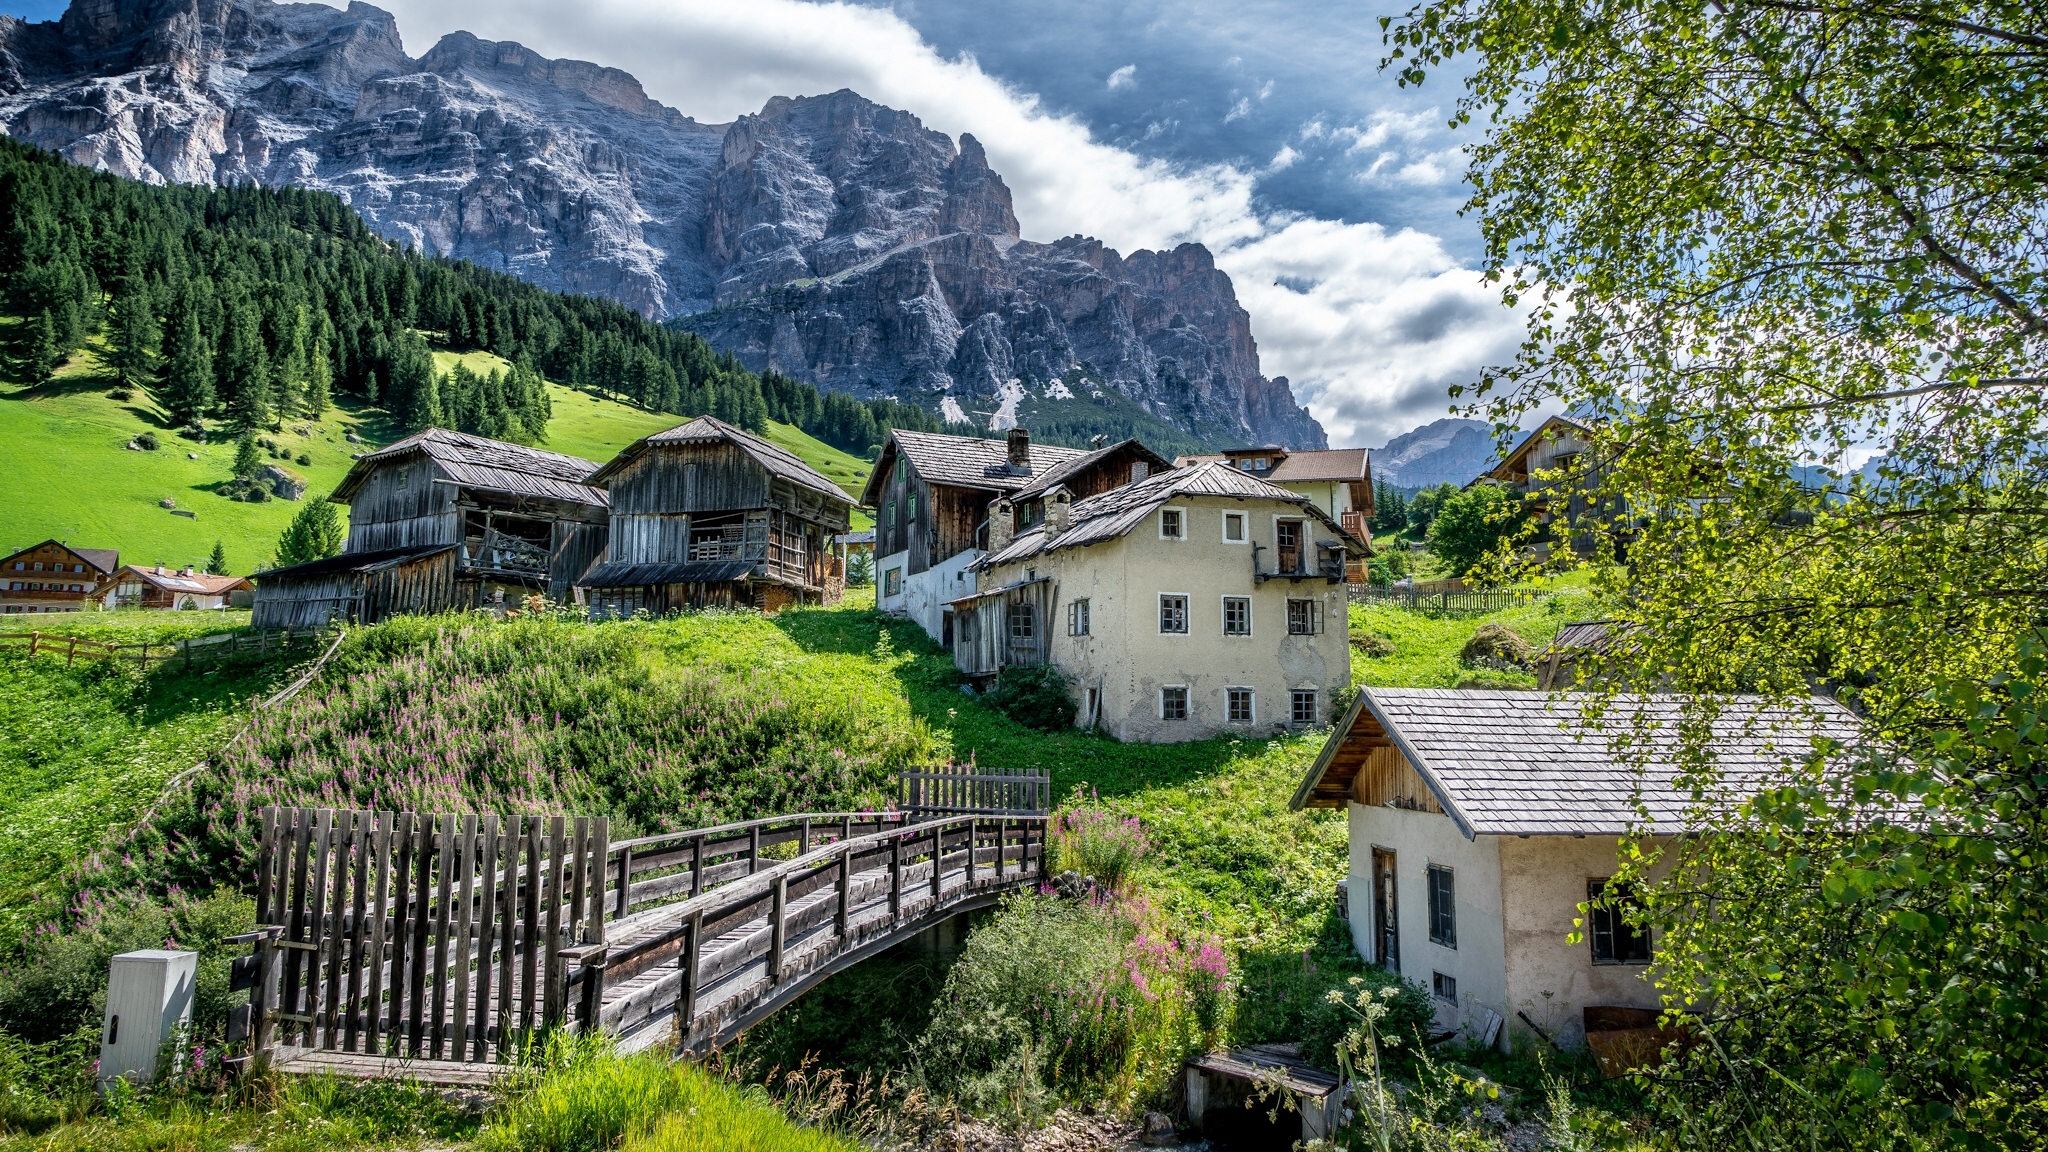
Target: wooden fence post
896 877
845 888
697 866
35 640
777 934
753 849
938 856
625 898
686 997
71 651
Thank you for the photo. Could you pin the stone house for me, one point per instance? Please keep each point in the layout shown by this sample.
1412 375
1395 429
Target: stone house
1480 821
1194 602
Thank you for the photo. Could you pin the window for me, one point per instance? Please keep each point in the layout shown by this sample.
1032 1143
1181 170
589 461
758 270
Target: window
74 588
15 586
35 585
1304 711
1445 987
1233 527
1077 618
1615 940
78 567
1304 617
39 566
1022 622
1172 524
1237 705
1443 906
889 514
910 509
1173 614
1173 703
892 582
1237 616
403 475
1287 535
17 565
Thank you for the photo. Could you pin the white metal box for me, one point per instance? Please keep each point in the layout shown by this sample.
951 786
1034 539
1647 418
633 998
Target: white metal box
149 1001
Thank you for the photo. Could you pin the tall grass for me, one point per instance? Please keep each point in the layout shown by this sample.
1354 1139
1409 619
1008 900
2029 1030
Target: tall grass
1099 845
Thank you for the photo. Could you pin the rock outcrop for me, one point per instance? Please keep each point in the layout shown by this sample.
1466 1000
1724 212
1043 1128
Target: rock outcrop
1447 451
829 238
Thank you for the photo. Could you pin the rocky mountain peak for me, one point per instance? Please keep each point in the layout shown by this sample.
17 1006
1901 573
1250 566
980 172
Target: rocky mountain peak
828 237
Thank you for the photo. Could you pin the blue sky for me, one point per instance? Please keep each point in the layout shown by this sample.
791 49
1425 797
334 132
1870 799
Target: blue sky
1260 128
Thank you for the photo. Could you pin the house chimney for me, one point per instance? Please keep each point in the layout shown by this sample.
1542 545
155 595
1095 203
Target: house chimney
1058 503
1020 451
1139 471
1002 523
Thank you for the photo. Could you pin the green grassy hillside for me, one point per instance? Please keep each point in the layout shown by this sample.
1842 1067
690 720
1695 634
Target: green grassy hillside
69 475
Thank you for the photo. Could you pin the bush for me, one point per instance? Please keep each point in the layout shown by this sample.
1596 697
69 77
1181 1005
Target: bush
1372 645
1474 523
1496 646
1038 698
121 395
147 442
305 458
1324 1024
1098 845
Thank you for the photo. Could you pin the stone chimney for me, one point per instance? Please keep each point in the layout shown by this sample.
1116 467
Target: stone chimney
1002 523
1020 452
1058 504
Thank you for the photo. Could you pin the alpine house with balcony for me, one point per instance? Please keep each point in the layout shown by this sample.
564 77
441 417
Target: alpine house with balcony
709 515
1191 603
443 520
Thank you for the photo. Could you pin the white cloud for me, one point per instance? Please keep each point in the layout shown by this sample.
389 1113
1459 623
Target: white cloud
1124 77
1239 110
1375 327
1265 89
1283 159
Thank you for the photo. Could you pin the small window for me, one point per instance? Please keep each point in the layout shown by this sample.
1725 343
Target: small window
78 567
404 474
39 566
1304 617
1172 524
1238 705
15 586
1173 614
1445 987
910 509
1023 622
892 582
1304 710
35 585
1443 906
1615 940
889 514
1233 527
1173 703
1077 618
75 588
1237 616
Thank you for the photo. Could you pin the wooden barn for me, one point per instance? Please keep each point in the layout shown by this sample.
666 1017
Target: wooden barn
709 515
439 521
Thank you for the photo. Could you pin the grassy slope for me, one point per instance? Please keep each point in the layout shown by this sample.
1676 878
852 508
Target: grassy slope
68 475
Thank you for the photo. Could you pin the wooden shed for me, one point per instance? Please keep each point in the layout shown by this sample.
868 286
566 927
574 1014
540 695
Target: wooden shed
514 521
709 515
1002 626
358 587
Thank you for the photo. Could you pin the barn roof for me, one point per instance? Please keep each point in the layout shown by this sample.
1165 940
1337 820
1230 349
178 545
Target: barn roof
1044 480
493 465
962 461
709 429
1113 513
355 562
1506 763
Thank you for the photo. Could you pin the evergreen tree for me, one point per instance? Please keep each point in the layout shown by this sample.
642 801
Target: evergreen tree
39 359
248 461
320 371
217 563
136 338
243 370
314 534
186 392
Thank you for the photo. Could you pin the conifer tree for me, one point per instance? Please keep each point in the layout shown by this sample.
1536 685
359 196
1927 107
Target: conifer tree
217 563
186 392
314 534
248 461
40 360
136 338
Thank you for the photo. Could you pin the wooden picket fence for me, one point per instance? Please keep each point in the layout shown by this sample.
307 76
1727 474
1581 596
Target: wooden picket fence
419 935
967 789
1492 600
262 645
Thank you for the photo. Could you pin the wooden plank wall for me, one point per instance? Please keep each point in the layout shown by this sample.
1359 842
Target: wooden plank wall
577 546
384 515
690 478
421 935
312 602
425 585
1384 778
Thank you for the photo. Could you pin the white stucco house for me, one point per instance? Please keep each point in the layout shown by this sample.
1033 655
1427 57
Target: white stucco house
1481 820
1191 603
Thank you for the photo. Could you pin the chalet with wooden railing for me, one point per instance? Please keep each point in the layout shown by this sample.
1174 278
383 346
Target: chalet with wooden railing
1336 480
709 515
444 520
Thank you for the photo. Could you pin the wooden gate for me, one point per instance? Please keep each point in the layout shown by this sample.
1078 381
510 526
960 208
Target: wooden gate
416 935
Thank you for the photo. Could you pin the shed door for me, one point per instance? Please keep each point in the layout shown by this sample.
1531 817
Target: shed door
1386 912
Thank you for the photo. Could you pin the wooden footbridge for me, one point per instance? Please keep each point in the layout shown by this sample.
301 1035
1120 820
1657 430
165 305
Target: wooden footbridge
435 947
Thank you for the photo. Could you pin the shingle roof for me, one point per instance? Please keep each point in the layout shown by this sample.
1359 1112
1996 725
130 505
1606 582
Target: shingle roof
707 429
104 559
1524 763
1587 635
355 562
1322 464
967 461
176 581
1042 480
480 462
1113 513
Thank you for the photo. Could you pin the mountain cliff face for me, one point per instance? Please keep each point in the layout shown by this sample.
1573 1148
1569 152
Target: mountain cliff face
1444 451
829 238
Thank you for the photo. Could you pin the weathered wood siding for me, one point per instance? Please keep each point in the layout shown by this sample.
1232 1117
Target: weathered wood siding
283 602
983 643
424 585
402 505
702 502
577 547
689 478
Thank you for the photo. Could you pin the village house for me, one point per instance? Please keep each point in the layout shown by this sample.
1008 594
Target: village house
1337 480
1481 820
1549 469
172 589
709 515
1194 602
442 520
53 577
932 494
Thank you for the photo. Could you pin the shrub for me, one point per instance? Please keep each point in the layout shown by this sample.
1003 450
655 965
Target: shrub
147 442
1099 845
121 395
1038 698
1372 645
305 458
1496 646
1070 999
1475 522
1410 1010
